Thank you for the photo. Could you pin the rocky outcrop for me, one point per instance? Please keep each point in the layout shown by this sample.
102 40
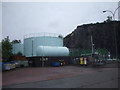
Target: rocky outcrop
103 35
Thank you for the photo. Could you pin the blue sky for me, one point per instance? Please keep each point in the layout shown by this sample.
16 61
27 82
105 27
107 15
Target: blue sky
21 18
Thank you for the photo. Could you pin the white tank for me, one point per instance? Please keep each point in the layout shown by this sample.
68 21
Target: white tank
52 51
17 47
32 41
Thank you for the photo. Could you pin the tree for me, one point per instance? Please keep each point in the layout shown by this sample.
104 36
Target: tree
19 54
109 19
6 49
16 41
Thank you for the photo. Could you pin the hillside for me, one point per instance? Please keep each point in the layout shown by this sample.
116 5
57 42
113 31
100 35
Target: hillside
103 37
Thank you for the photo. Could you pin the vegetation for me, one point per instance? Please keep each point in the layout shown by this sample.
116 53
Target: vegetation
19 54
78 52
16 41
6 49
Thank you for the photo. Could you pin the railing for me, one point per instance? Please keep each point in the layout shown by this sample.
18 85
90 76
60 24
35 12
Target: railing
42 34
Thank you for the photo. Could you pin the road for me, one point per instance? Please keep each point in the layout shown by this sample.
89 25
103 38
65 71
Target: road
96 78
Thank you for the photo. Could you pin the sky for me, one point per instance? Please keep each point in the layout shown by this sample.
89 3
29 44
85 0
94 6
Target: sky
21 18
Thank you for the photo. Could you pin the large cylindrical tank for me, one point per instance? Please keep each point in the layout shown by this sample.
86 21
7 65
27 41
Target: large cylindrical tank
17 47
32 41
52 51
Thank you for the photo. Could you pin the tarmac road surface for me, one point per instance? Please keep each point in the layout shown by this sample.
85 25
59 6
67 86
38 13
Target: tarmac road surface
97 78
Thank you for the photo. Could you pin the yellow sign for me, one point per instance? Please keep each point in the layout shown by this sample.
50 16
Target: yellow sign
81 61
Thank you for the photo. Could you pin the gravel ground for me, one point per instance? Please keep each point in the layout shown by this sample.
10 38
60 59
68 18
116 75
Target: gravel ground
30 74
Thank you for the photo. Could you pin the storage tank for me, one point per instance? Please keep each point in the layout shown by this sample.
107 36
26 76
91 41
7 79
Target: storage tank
32 41
17 47
52 51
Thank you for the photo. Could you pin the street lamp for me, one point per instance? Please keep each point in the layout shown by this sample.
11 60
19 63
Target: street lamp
110 12
113 15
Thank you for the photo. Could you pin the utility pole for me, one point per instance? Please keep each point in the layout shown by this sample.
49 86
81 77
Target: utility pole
115 31
92 45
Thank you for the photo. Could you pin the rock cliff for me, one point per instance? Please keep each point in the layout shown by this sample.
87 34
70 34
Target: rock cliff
103 35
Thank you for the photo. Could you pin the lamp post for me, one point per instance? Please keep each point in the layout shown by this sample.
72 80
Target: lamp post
110 12
113 15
